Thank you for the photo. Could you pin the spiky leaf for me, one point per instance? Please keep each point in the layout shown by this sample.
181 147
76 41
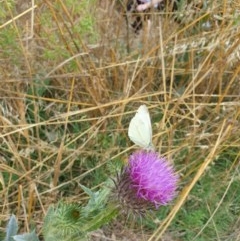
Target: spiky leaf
12 228
97 200
63 222
26 237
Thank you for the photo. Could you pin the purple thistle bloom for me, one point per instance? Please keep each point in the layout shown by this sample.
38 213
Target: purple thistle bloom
147 182
152 177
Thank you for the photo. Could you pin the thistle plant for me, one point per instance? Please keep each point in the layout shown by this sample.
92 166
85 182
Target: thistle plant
147 182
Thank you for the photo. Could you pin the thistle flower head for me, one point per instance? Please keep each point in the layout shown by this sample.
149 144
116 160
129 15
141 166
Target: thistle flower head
152 177
148 181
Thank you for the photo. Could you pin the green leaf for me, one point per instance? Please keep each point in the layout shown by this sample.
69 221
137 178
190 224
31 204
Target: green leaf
88 191
63 222
104 217
97 199
12 228
26 237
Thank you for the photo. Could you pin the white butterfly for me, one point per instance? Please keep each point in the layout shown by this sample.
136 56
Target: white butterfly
140 128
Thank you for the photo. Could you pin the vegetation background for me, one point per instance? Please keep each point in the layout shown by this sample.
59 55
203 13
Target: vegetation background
73 73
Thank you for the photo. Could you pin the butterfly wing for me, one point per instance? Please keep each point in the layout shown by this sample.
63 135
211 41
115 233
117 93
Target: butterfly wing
140 128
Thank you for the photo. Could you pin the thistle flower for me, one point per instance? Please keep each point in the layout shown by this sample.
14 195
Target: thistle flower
147 182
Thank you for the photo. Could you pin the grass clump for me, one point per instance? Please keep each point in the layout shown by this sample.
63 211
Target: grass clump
72 76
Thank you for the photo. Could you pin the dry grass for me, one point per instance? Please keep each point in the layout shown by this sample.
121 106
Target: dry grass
67 94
